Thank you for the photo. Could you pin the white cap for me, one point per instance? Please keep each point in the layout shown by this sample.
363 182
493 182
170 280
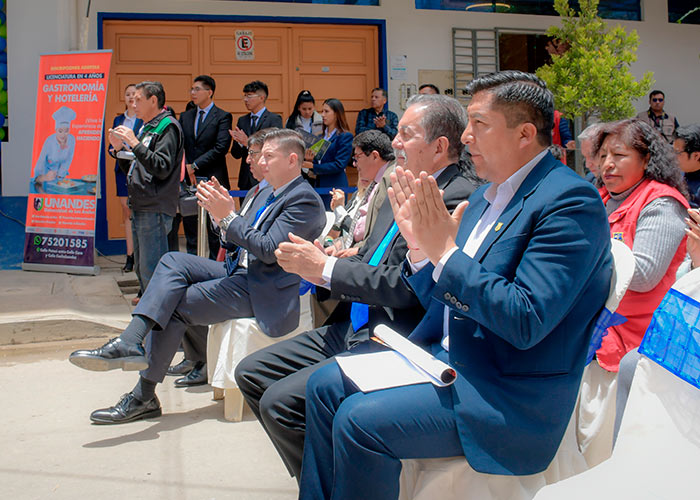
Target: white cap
63 116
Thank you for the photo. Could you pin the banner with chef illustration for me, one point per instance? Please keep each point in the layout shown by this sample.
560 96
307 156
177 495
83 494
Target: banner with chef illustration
71 94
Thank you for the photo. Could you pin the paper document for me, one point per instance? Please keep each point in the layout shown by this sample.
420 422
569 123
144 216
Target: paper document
406 364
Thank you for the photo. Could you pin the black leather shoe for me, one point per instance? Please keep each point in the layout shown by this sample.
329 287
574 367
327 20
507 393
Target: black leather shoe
198 376
128 409
183 367
114 354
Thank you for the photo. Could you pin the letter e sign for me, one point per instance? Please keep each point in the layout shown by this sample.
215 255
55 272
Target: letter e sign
245 49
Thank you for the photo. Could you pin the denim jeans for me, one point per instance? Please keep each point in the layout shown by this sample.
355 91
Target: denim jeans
150 230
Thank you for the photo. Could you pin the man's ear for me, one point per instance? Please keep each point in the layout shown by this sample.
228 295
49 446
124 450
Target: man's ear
442 145
528 133
695 155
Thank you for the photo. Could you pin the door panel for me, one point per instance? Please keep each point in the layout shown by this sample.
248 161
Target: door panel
338 61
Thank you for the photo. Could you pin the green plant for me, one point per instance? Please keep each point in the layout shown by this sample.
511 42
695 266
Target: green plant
593 76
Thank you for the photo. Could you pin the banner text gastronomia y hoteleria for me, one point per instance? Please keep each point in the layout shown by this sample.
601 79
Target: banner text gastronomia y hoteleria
62 202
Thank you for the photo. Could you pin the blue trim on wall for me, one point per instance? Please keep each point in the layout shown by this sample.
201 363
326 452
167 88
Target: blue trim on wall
114 247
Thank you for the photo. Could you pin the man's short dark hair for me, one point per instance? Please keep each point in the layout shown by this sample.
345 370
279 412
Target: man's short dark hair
258 138
523 97
442 116
150 89
429 86
374 140
255 86
208 81
379 89
655 92
690 135
289 141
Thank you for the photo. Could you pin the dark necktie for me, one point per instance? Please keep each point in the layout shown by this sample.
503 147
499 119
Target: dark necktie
253 121
359 313
233 257
349 238
199 122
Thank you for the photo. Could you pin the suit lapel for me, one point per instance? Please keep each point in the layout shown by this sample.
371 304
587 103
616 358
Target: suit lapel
207 120
277 203
515 205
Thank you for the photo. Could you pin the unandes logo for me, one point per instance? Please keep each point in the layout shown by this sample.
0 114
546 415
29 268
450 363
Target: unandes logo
72 203
38 204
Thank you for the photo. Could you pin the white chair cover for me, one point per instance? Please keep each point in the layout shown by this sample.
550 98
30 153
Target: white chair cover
658 446
231 341
453 478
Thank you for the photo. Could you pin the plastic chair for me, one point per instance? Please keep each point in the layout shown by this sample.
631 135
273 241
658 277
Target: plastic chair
231 341
453 478
658 446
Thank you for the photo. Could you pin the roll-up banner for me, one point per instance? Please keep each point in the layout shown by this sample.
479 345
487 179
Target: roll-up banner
70 106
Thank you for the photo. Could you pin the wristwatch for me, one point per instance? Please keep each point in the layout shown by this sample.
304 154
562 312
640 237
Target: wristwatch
224 223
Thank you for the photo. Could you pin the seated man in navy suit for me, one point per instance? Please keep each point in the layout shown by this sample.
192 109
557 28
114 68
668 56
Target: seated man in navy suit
192 292
512 285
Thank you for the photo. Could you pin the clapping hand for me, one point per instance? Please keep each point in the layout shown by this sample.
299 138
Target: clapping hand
420 212
693 232
213 197
302 257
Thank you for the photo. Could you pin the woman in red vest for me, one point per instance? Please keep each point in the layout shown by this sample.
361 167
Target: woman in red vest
646 200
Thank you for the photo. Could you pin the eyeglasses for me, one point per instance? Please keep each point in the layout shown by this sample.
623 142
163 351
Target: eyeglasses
248 97
657 99
253 154
197 89
678 152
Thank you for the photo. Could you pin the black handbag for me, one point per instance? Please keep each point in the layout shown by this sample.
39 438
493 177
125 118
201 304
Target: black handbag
188 200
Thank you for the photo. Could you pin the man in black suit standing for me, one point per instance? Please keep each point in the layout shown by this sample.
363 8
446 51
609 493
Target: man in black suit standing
254 97
205 127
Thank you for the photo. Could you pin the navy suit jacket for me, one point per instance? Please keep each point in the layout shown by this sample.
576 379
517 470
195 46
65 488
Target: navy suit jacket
521 316
208 150
274 293
267 120
330 171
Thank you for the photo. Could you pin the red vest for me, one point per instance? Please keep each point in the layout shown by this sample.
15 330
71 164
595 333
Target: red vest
637 307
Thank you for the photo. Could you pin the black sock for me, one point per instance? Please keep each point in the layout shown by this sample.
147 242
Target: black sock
137 329
145 390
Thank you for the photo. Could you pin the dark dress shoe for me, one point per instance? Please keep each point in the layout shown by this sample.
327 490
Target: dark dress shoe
114 354
183 367
128 409
129 265
198 376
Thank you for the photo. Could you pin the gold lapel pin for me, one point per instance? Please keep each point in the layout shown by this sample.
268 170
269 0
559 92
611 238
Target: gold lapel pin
498 226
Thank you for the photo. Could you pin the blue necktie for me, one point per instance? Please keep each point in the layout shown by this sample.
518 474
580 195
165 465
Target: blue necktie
359 313
232 257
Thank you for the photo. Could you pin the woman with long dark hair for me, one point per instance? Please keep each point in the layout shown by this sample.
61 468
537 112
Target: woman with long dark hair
328 169
304 116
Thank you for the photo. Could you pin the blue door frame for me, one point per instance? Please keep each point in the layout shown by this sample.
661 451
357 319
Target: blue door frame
115 247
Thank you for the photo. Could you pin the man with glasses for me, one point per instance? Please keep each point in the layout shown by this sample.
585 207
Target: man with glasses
205 128
254 96
656 116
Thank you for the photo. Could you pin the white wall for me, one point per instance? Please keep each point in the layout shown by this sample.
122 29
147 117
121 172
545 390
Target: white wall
670 51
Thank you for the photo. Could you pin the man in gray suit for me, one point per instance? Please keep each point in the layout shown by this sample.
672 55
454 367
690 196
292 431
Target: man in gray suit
192 292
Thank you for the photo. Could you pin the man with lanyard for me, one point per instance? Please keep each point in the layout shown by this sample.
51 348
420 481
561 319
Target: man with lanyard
153 175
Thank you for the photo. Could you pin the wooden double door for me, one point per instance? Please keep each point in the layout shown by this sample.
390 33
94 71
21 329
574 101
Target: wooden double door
338 61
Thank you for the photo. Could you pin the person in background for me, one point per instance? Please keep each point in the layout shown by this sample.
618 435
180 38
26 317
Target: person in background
128 119
372 153
687 148
586 141
328 170
377 117
255 96
645 197
153 176
655 116
304 116
428 88
205 128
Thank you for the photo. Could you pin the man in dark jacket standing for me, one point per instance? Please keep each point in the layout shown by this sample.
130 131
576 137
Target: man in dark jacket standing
254 97
205 128
153 175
